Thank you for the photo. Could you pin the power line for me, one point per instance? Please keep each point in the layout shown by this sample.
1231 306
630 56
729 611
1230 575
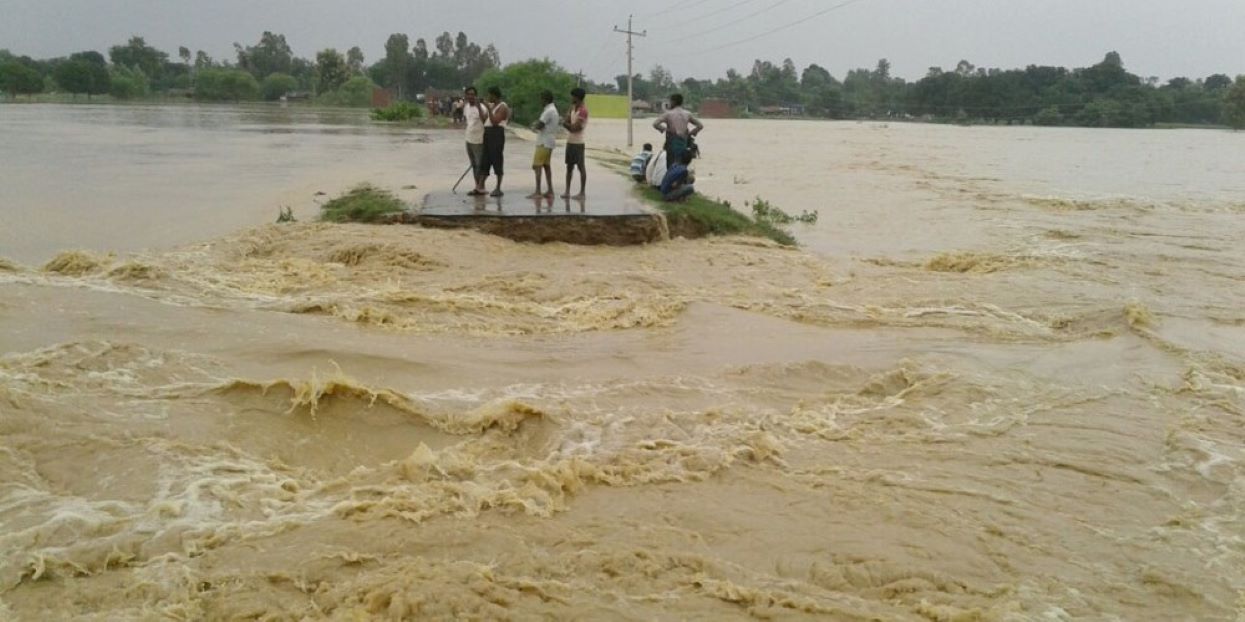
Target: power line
721 27
631 33
596 60
767 33
676 9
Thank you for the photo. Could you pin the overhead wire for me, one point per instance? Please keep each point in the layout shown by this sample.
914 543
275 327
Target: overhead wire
724 26
677 9
593 63
841 5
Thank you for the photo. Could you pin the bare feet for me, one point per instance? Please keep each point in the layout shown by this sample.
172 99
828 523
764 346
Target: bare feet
581 196
497 193
535 195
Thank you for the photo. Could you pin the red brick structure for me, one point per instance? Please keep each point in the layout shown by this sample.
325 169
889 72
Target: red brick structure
716 109
382 98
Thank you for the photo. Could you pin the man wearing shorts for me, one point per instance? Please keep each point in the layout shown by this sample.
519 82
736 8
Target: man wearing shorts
546 142
475 116
576 122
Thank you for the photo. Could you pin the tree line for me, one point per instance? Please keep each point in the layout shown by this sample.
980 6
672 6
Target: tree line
1101 95
267 70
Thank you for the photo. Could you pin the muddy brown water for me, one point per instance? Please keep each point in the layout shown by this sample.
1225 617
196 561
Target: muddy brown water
1002 380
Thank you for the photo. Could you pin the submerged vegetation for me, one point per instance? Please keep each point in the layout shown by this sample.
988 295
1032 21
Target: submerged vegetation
399 111
765 212
700 216
363 203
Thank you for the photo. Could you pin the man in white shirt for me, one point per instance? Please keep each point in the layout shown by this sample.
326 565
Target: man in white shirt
546 142
475 115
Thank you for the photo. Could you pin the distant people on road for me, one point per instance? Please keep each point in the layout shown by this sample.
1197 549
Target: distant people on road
639 164
677 185
495 124
546 142
576 123
457 113
474 116
679 126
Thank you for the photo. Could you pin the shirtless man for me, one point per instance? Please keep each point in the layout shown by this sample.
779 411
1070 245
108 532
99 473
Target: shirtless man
679 126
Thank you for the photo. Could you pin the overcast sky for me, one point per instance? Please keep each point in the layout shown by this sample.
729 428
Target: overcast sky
700 38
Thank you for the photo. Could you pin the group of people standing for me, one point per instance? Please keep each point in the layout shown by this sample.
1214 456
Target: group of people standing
486 122
486 141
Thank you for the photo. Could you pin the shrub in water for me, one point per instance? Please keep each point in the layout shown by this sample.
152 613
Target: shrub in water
765 212
363 203
399 111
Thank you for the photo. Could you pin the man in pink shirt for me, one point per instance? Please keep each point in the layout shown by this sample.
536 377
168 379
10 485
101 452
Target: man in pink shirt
576 122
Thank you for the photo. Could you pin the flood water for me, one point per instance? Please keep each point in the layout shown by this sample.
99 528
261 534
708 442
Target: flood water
1003 378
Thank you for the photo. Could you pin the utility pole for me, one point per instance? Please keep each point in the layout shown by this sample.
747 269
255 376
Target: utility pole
630 32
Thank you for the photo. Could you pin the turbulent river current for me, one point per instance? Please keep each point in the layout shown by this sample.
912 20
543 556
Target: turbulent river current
1002 378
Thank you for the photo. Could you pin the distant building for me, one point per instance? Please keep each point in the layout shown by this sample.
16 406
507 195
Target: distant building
382 98
641 106
716 109
787 110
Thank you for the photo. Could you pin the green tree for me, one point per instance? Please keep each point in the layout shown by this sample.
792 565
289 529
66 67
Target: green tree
354 60
357 91
128 83
278 85
1108 75
1218 82
136 54
521 84
84 72
331 71
304 71
814 77
271 55
396 65
1234 105
737 90
217 84
642 89
18 79
1048 116
661 81
1100 113
445 46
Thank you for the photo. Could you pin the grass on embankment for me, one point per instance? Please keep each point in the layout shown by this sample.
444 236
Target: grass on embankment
363 203
699 216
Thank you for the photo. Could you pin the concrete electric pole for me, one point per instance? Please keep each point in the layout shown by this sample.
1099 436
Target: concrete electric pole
630 32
